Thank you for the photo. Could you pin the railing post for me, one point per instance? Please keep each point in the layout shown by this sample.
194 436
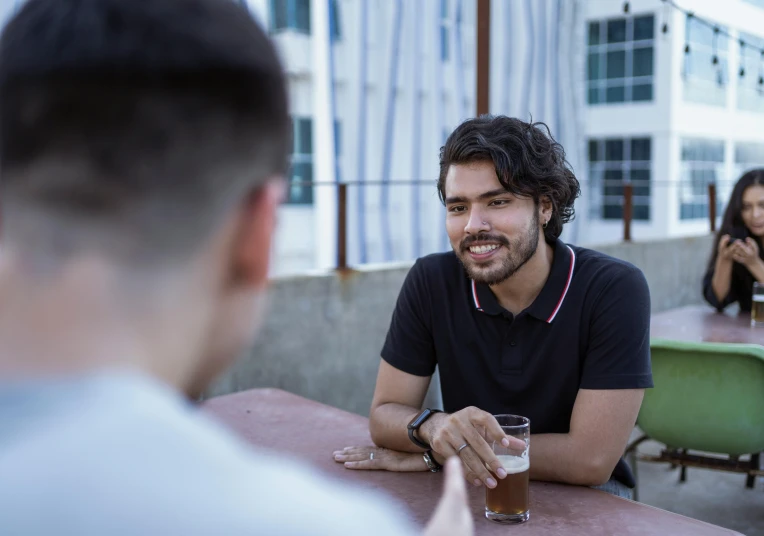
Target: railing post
712 206
483 37
628 191
342 214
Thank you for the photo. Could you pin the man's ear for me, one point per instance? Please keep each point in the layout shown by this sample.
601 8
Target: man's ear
252 245
545 208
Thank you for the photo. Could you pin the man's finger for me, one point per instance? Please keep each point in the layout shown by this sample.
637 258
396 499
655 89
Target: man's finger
454 486
515 444
365 465
357 450
452 515
493 431
484 419
475 465
356 457
485 456
471 477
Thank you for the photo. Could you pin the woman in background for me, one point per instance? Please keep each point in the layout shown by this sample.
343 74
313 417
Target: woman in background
736 262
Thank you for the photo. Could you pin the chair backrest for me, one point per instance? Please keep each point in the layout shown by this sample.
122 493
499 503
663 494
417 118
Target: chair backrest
707 396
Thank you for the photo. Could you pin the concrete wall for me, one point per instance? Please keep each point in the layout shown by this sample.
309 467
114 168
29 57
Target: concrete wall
323 334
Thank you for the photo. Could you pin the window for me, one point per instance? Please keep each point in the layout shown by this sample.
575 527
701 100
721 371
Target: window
702 163
334 20
613 163
295 15
705 82
300 191
750 93
301 175
445 29
290 15
620 60
747 157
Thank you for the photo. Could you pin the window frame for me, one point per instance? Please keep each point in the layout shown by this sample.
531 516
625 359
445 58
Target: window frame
600 199
601 50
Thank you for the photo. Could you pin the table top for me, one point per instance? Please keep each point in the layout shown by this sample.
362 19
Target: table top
292 425
701 323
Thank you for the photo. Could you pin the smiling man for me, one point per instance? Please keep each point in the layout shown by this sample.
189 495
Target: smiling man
516 321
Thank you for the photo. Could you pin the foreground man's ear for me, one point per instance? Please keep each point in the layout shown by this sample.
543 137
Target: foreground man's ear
257 223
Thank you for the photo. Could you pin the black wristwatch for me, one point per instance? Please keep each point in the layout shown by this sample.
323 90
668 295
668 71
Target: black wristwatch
418 421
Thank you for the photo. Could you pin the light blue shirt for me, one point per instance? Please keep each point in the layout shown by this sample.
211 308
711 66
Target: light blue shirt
123 455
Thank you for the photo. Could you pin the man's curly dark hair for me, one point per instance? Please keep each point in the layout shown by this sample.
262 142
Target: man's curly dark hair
528 162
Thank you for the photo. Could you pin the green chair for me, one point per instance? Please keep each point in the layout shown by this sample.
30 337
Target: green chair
708 398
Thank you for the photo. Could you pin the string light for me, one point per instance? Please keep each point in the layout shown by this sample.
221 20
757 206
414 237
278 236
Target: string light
742 56
717 30
686 70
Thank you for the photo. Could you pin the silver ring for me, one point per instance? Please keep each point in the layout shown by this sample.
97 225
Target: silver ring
371 456
460 449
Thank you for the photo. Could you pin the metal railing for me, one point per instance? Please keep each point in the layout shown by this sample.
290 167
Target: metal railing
624 197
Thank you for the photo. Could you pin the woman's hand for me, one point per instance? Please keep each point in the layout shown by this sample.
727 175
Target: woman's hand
379 459
745 252
724 250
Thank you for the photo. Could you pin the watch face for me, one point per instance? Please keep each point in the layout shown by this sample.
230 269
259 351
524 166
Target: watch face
419 419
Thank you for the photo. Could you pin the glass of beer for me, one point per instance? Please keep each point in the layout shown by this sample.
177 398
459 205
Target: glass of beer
757 307
508 501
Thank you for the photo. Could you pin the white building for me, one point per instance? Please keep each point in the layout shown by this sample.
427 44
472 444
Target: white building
634 106
403 78
660 109
376 86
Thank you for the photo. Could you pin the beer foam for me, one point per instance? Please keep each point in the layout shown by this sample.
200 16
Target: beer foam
514 464
758 298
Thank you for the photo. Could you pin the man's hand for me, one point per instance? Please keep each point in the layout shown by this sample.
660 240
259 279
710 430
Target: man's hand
452 517
379 459
447 434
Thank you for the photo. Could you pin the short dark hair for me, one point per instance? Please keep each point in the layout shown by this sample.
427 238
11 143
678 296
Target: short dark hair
528 162
148 119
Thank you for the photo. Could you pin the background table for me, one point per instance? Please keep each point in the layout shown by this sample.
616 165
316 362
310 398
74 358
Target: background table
295 426
701 323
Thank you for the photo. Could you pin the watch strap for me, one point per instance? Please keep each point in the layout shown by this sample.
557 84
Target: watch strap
415 440
416 423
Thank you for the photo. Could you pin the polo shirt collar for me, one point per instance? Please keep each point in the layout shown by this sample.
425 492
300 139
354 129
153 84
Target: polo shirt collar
549 301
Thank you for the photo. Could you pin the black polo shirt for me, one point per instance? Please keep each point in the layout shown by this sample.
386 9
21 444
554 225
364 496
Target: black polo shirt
589 328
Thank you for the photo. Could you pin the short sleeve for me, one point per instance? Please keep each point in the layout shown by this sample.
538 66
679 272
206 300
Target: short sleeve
710 295
618 354
409 345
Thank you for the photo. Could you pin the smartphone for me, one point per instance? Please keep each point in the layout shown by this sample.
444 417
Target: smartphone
738 233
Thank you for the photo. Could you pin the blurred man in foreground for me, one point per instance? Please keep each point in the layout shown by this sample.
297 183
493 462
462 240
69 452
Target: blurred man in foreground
142 150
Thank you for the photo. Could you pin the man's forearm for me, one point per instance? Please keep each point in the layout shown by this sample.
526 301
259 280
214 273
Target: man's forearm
387 424
559 458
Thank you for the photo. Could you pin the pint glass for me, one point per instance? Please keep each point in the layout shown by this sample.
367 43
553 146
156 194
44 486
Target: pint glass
508 501
757 305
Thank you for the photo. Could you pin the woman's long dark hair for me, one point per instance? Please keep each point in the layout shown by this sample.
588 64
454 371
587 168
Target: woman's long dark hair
732 222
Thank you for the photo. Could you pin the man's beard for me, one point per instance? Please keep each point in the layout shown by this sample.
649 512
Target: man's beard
500 269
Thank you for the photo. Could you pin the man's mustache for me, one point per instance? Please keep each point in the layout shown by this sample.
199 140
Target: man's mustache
483 237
